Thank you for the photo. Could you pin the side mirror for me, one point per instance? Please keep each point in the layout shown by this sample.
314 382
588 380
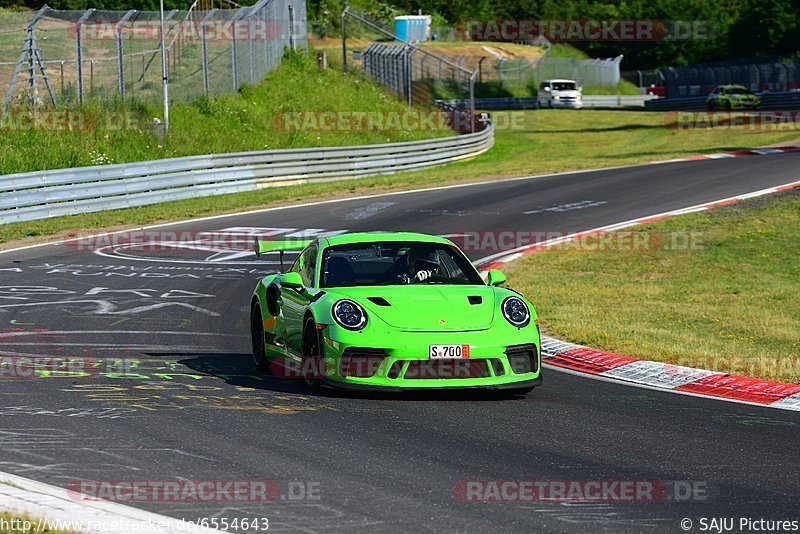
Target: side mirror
495 277
580 88
292 280
547 88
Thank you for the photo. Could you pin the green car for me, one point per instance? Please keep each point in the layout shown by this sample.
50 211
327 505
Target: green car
732 97
392 311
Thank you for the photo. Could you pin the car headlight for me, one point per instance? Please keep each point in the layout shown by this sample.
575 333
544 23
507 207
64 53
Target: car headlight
578 97
349 314
557 97
516 312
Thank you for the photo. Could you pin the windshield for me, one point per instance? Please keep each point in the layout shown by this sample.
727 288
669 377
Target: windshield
563 86
396 263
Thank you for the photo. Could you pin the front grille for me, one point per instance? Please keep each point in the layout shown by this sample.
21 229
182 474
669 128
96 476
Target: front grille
450 369
522 359
361 362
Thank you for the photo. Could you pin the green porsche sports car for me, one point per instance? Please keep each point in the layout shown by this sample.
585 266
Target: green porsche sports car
392 311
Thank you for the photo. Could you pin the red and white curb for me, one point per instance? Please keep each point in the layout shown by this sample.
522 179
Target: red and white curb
50 506
677 378
496 260
737 154
656 375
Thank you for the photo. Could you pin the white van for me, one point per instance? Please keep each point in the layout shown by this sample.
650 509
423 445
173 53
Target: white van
559 94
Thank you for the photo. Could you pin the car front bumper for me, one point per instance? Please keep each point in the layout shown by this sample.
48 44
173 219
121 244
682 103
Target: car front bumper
746 104
491 364
566 104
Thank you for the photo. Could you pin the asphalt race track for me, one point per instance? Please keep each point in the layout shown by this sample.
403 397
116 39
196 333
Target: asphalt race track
171 393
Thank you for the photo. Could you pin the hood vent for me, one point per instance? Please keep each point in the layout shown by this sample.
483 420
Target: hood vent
475 299
380 301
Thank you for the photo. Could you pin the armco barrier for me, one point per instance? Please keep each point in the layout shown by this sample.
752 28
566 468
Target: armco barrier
779 100
589 101
39 195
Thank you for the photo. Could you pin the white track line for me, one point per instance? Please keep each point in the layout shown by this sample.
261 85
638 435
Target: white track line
41 502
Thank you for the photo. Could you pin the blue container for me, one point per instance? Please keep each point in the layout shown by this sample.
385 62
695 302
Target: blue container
410 28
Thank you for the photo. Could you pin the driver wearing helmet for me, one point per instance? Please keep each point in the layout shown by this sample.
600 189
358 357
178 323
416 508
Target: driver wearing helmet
420 265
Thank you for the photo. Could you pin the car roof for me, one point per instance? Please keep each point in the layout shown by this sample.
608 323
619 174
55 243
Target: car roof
731 86
376 237
559 80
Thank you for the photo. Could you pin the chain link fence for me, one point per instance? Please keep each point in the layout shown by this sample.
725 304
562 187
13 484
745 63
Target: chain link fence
522 75
62 58
419 76
699 80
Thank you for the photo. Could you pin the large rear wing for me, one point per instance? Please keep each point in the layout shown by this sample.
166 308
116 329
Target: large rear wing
262 247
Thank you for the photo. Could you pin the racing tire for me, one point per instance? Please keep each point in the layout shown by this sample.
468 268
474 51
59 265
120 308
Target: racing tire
257 340
312 356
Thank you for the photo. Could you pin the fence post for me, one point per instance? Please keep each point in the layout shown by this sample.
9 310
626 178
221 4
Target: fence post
500 71
79 58
408 55
204 47
292 44
250 50
234 59
344 40
120 64
472 100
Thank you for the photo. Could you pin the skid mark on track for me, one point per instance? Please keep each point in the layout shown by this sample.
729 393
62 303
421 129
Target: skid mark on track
176 397
98 413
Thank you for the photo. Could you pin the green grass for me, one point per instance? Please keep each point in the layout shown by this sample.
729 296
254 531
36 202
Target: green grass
566 51
728 303
224 124
550 141
624 87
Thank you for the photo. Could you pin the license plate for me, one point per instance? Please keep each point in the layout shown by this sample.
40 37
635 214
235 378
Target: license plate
448 352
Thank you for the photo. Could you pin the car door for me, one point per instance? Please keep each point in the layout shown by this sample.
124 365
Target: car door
712 98
720 98
295 301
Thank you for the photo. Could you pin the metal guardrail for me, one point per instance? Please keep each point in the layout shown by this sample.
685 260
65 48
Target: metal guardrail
589 101
778 100
40 195
616 101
